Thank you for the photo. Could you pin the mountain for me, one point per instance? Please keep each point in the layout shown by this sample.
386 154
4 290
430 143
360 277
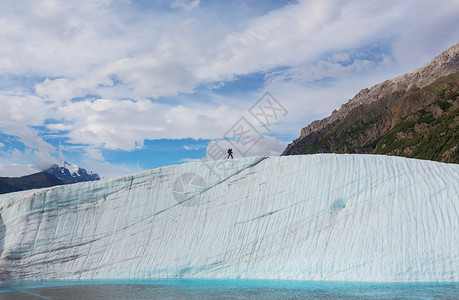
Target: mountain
414 115
307 217
71 173
67 173
33 181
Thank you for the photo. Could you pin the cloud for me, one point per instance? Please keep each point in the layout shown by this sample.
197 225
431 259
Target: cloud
94 153
177 58
125 124
20 109
20 114
110 74
299 33
55 38
105 169
265 146
429 28
8 169
158 55
185 5
187 160
186 147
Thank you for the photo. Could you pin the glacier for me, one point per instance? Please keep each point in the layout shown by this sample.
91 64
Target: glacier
311 217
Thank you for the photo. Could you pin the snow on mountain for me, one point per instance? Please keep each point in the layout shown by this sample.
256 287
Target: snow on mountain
71 167
313 217
71 173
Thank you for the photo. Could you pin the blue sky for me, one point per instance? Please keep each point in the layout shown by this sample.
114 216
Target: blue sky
121 86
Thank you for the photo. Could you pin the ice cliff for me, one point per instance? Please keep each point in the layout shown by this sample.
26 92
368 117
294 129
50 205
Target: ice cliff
313 217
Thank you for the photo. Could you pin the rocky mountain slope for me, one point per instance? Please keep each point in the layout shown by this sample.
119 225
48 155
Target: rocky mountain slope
33 181
309 217
67 173
414 115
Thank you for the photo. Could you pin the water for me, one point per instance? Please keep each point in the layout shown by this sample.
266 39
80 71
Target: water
224 289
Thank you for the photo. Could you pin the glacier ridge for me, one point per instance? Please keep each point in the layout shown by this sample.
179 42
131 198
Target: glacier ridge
311 217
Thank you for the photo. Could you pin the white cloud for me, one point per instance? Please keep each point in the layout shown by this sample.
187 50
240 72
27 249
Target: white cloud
123 53
158 54
186 5
55 38
187 160
124 124
299 33
19 114
429 28
8 169
137 60
186 147
20 109
105 169
265 146
94 153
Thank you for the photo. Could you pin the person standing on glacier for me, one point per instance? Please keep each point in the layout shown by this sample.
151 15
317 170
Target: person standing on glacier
230 153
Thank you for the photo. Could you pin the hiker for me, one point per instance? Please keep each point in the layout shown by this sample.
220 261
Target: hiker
230 153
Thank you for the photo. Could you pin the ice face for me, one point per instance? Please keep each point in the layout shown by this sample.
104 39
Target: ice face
312 217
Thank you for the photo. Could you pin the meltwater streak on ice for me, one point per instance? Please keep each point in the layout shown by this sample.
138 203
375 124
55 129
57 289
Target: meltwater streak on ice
314 217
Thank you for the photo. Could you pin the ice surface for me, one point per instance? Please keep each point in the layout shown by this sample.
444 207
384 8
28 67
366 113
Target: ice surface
313 217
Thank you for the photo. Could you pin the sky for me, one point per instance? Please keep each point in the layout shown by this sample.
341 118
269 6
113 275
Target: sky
119 86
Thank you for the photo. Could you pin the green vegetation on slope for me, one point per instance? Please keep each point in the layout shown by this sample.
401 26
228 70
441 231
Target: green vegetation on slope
421 123
434 139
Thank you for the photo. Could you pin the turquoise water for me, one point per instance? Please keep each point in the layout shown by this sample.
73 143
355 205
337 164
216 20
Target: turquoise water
224 289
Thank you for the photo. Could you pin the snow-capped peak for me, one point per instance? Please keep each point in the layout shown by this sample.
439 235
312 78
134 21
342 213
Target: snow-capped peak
71 173
73 168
